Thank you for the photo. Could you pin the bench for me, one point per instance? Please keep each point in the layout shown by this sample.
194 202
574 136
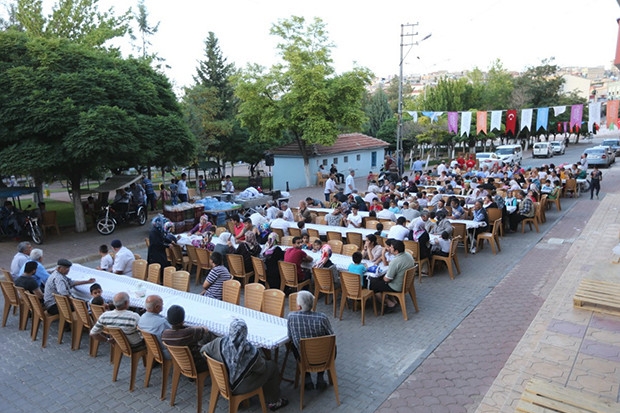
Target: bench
601 296
540 396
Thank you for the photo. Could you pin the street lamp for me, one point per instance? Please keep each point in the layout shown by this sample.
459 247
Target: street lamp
399 130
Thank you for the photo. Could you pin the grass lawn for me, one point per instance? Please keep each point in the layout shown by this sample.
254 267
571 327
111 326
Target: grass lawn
64 212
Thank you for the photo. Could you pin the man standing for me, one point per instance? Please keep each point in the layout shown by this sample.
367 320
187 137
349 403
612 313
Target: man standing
123 259
151 198
596 177
182 188
153 322
227 185
59 283
393 280
297 256
306 323
330 187
22 256
122 318
349 183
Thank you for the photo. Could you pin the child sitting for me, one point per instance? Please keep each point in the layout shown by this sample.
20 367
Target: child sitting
316 246
305 238
107 262
394 207
358 267
441 246
97 298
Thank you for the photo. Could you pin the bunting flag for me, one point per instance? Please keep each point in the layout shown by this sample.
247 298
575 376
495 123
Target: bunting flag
414 115
558 110
511 121
526 119
612 113
432 115
576 113
542 118
465 123
481 122
453 122
496 120
594 115
565 124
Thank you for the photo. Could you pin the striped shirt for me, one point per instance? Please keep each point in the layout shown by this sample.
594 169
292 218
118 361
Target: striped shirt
125 320
216 278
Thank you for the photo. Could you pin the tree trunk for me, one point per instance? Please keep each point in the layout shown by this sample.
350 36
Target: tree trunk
78 211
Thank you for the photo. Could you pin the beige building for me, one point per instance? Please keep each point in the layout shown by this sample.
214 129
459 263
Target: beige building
577 84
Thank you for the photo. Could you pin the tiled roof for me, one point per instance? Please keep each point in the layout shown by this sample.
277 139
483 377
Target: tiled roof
348 142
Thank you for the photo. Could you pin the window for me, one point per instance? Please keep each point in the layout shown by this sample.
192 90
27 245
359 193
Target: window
335 161
373 159
345 159
324 162
358 157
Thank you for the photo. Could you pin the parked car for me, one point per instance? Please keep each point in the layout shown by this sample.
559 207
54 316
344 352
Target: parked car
558 147
614 143
510 154
542 149
598 156
610 151
489 159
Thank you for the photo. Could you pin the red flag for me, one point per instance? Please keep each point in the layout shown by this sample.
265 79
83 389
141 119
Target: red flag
511 121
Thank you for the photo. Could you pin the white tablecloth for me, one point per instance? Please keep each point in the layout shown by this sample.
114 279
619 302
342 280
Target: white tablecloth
264 330
324 228
363 214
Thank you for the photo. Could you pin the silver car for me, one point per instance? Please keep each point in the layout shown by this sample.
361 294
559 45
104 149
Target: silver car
598 156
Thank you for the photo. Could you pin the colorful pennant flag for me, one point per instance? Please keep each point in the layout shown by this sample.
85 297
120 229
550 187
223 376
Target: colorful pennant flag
481 121
558 110
465 123
453 122
526 119
511 121
414 115
576 113
433 115
594 115
612 113
496 120
542 118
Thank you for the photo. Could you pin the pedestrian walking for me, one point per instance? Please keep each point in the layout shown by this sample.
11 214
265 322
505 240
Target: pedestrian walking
596 177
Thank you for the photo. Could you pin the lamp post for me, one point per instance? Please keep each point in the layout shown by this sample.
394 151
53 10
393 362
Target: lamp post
399 130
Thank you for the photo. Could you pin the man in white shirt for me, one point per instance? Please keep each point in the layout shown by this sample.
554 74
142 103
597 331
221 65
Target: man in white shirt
386 214
258 218
349 183
123 259
408 213
280 223
182 188
23 255
373 187
330 187
287 213
354 220
399 231
272 211
442 168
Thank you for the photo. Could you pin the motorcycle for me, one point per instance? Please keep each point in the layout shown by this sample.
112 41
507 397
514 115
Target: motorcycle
109 218
29 225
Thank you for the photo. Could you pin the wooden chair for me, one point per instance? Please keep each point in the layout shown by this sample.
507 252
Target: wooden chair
154 273
24 307
123 348
67 315
286 241
237 269
288 276
554 197
40 314
181 261
292 302
273 302
324 283
313 232
349 249
316 355
334 235
336 246
193 261
294 232
253 296
320 220
492 237
96 311
460 230
409 288
178 280
7 274
85 322
450 259
231 291
183 363
544 205
371 224
139 269
168 271
260 272
204 262
154 353
570 189
388 225
220 386
355 238
50 221
220 230
414 247
11 300
533 220
278 231
494 214
320 179
352 290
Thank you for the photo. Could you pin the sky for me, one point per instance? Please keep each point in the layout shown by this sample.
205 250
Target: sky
464 34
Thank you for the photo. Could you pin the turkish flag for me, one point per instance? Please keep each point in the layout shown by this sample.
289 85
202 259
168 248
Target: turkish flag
511 121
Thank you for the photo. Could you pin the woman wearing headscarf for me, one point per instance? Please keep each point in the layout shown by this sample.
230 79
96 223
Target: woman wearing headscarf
160 237
225 245
247 368
247 249
272 254
202 227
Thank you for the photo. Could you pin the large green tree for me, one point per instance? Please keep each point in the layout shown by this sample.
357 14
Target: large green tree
67 110
377 110
301 99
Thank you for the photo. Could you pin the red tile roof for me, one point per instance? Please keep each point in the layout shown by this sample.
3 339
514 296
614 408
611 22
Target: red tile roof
348 142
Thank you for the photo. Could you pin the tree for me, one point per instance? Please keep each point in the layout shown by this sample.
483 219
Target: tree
378 111
77 20
539 86
145 29
67 110
301 99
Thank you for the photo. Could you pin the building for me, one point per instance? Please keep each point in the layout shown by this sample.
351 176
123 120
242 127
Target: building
355 151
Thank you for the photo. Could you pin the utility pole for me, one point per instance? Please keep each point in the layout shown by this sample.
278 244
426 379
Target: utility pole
406 39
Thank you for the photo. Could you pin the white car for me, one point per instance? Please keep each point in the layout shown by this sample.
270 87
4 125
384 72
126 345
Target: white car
489 159
542 149
558 147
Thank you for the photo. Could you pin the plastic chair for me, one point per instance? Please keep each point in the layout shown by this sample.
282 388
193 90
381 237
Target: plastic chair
414 247
294 232
352 290
123 348
317 354
324 283
237 268
220 386
193 261
273 302
286 241
334 235
336 246
24 307
533 220
313 233
349 249
139 269
371 224
231 291
11 300
183 363
220 230
494 214
460 229
168 271
67 315
153 273
260 272
178 280
154 353
85 322
278 231
492 237
40 314
451 259
180 261
204 262
288 276
50 221
355 238
253 296
409 288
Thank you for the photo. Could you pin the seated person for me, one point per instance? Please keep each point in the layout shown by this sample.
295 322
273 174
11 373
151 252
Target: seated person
372 251
214 283
441 246
399 231
297 256
359 268
394 277
280 223
122 318
247 367
153 322
107 262
182 335
27 281
334 218
121 201
9 219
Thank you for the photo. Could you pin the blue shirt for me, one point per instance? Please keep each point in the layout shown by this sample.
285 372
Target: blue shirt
359 269
41 275
155 324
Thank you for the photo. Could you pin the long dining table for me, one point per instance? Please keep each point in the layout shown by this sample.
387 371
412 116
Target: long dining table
343 230
264 330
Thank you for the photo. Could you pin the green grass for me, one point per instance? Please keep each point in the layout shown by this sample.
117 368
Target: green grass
64 212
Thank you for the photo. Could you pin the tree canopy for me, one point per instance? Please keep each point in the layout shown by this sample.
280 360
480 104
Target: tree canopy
68 110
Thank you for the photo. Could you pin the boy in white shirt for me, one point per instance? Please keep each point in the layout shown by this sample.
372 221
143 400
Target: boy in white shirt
107 262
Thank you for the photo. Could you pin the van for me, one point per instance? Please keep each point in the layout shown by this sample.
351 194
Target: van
542 149
510 154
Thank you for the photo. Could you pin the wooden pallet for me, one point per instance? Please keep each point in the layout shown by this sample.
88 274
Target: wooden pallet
540 396
601 296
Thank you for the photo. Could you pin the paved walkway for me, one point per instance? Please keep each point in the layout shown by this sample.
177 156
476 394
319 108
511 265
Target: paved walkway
444 358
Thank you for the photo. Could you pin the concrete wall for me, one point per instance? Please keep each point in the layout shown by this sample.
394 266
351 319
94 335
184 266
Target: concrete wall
291 169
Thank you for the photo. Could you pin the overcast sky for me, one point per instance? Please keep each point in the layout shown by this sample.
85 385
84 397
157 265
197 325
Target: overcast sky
464 33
